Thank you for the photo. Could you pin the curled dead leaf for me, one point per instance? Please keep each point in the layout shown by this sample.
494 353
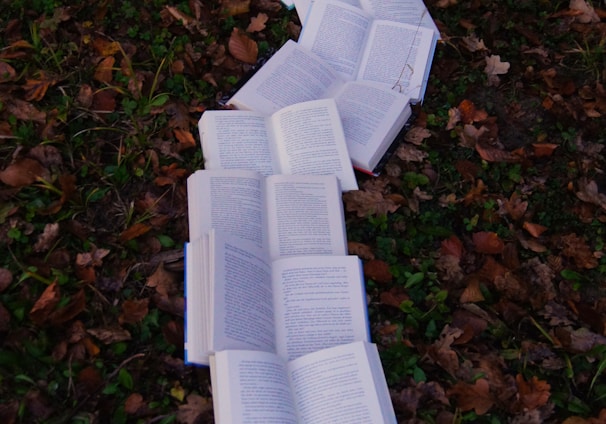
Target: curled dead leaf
488 242
23 172
534 230
45 304
243 47
105 69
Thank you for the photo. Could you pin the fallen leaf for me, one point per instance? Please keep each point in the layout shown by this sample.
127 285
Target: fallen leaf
47 238
185 138
587 12
257 23
162 280
493 154
235 7
577 249
534 393
35 89
363 251
104 101
196 406
488 242
378 271
133 403
443 4
105 47
475 396
544 149
441 351
133 311
494 66
89 379
416 135
243 47
45 304
23 172
472 293
473 43
105 70
134 231
534 230
6 278
7 72
409 153
109 335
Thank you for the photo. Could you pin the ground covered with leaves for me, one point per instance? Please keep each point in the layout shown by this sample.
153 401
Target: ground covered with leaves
483 240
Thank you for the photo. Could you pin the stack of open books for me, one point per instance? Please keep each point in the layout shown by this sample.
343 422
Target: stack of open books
275 305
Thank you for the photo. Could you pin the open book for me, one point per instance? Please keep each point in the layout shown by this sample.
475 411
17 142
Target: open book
304 138
237 298
412 12
342 384
371 113
286 215
359 47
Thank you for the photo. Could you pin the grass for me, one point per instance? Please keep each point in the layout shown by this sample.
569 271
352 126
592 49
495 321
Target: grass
82 242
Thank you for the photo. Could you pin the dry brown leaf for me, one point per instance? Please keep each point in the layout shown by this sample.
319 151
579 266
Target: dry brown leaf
243 47
588 192
185 138
378 271
76 304
105 47
196 406
47 238
443 4
235 7
534 230
454 117
133 403
23 172
163 281
366 203
7 72
393 297
473 43
104 101
35 89
46 303
416 135
257 23
494 66
105 70
577 248
544 149
472 293
109 335
488 242
409 153
452 246
587 12
6 278
134 231
475 396
441 352
534 393
363 251
493 154
25 111
133 311
515 207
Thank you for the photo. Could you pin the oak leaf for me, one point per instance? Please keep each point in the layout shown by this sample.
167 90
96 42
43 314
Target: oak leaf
587 12
242 47
494 66
105 47
488 242
475 396
409 153
473 43
133 311
257 23
534 393
416 135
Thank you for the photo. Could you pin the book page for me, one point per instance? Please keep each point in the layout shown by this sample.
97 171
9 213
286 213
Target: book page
305 216
242 304
303 7
337 385
320 303
234 139
197 293
397 55
230 201
372 115
292 75
251 387
336 32
411 12
309 139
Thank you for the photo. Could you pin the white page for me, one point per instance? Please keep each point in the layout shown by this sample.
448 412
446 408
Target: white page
303 7
397 55
320 302
336 32
412 12
292 75
371 115
236 139
231 201
310 141
251 387
336 385
305 216
243 313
